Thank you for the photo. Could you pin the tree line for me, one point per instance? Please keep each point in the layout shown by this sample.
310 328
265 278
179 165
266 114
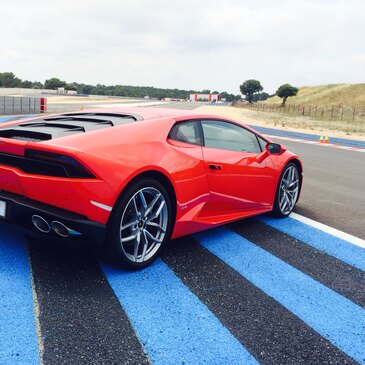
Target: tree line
8 79
252 89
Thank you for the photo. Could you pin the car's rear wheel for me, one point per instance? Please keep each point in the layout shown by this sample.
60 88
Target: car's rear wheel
287 191
140 224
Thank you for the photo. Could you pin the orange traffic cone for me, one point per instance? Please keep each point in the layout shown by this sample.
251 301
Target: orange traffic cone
326 140
321 139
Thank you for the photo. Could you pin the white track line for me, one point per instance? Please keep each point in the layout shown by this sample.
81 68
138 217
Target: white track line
333 231
332 145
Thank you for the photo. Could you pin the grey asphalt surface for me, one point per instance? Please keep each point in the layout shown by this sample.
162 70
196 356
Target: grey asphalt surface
334 186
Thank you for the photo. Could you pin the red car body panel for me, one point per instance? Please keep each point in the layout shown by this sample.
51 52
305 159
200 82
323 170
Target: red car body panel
245 184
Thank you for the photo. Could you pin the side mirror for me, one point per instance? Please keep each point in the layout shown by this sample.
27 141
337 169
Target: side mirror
273 148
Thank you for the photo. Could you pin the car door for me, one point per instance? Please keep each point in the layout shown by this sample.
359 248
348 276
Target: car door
238 178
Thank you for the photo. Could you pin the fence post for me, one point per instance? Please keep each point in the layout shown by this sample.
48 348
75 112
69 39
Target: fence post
341 114
353 115
332 112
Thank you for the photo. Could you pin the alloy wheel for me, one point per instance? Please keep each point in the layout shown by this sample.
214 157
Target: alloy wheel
289 189
143 224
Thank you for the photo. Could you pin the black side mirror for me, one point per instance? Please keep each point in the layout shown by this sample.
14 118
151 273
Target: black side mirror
273 148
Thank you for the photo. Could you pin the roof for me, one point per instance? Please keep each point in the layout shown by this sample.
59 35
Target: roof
66 124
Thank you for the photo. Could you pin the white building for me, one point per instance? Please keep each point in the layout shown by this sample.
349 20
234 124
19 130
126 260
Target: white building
205 97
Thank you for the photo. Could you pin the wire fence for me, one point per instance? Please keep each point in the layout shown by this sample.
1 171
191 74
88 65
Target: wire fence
332 117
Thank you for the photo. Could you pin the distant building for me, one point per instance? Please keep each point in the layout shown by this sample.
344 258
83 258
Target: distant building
205 97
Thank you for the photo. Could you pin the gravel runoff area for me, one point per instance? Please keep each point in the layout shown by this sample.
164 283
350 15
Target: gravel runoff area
263 119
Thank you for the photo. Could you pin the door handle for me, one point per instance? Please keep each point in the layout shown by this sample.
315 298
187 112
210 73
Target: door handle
215 167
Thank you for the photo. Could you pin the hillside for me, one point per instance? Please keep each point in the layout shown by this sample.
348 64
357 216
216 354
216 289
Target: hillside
347 95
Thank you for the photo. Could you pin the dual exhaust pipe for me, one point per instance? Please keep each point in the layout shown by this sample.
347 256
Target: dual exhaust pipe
42 225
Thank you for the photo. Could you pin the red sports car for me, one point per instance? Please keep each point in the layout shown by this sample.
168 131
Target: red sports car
128 180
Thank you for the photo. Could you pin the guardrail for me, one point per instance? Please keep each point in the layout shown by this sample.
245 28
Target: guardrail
10 105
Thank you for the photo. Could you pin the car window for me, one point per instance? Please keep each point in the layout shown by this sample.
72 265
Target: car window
229 136
187 132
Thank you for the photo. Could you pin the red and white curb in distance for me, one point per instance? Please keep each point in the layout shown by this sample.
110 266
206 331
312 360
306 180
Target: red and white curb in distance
356 149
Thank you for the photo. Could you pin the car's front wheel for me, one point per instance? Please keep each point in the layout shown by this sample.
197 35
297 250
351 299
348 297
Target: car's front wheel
287 191
140 224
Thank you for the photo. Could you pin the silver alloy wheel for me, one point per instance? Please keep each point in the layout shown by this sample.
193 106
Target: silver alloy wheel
289 189
143 224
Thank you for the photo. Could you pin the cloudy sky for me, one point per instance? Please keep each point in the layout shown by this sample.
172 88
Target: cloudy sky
189 44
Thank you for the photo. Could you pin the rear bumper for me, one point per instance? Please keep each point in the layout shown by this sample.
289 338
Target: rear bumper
20 210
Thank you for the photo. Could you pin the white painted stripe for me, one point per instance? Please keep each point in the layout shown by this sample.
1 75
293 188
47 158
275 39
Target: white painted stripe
102 206
333 231
37 319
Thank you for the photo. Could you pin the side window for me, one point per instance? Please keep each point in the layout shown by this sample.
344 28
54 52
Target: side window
228 136
187 132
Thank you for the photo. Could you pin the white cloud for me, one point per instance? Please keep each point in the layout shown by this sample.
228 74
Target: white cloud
184 44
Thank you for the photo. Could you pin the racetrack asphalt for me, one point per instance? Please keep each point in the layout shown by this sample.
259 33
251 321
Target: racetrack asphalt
258 291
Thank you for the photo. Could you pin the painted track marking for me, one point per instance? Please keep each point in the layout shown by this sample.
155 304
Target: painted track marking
330 314
330 230
18 334
172 323
332 245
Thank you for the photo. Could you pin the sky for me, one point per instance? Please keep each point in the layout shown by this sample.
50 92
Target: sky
187 44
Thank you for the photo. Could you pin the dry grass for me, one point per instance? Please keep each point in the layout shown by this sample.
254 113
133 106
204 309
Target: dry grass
345 95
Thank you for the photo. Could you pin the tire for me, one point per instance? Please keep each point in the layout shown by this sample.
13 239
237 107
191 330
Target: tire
287 191
140 225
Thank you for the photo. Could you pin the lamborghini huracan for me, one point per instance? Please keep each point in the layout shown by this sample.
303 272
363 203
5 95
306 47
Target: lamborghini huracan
129 180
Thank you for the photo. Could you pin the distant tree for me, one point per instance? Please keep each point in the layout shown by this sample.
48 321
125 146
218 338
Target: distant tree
249 88
71 86
8 79
285 91
260 97
26 84
54 83
229 97
205 91
37 85
85 89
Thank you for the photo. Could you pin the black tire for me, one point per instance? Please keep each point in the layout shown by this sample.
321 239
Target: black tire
126 209
283 188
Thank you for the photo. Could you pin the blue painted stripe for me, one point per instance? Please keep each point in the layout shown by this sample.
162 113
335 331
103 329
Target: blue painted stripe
331 315
5 119
307 136
334 246
18 336
10 117
172 324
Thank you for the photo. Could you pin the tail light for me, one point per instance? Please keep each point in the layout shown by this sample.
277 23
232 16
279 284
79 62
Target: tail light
46 163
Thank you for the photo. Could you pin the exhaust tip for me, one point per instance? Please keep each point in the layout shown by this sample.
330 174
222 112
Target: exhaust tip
41 224
60 229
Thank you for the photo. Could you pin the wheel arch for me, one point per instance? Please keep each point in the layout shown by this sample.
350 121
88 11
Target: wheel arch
156 175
